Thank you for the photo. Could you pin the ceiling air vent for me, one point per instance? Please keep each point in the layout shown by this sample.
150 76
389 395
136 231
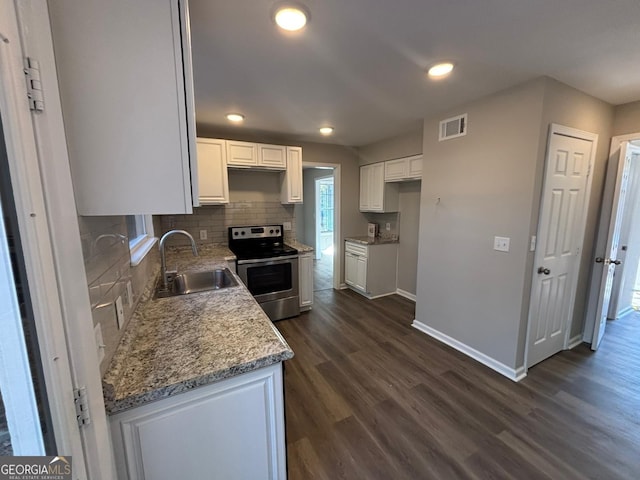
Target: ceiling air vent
453 127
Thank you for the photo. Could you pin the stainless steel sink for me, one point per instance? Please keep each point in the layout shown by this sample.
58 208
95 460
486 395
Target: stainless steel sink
194 282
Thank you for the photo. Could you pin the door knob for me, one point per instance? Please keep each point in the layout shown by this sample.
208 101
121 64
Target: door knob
615 262
546 271
599 260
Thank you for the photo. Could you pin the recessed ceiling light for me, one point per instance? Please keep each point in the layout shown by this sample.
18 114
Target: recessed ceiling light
235 117
291 17
326 131
440 70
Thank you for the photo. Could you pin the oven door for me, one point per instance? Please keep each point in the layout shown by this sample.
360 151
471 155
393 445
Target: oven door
270 279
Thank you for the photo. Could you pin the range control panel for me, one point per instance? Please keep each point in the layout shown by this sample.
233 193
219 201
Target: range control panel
266 231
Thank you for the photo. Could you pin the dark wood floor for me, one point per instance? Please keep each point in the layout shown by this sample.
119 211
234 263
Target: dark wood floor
323 273
368 397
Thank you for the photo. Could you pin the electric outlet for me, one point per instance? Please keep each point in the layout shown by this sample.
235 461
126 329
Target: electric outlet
129 294
100 346
501 244
387 226
203 234
286 226
119 312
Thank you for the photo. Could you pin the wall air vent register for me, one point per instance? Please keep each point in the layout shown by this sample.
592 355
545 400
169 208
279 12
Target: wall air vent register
453 127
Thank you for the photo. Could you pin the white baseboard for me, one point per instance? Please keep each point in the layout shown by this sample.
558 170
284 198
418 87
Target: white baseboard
574 342
623 312
343 286
512 374
405 294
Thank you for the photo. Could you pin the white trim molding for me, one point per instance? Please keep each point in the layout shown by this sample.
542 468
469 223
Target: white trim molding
405 294
574 341
516 374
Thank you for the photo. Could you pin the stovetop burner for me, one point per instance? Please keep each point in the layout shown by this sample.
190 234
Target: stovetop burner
257 242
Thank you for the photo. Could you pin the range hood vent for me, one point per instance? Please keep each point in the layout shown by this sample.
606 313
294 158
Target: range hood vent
453 127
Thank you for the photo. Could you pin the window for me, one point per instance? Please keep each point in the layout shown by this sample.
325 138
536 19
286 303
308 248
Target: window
326 205
141 239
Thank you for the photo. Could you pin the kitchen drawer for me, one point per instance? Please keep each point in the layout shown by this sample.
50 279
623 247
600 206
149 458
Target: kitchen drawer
356 249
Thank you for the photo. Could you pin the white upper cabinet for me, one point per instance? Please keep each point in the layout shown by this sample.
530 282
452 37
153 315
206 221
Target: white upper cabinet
375 194
256 155
125 79
291 189
242 154
403 169
213 181
272 156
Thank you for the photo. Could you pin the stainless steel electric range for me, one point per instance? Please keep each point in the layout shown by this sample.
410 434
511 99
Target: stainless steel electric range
268 267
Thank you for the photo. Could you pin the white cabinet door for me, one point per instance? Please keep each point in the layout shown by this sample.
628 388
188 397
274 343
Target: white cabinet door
376 188
242 154
291 188
233 429
305 271
403 169
361 273
376 195
414 167
125 87
213 181
350 268
365 187
395 170
272 156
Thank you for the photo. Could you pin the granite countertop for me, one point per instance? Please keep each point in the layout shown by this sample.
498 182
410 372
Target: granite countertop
301 247
364 240
179 343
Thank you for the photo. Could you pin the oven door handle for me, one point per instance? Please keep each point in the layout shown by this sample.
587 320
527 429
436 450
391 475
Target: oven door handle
265 260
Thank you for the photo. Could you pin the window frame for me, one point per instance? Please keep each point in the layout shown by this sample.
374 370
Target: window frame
144 239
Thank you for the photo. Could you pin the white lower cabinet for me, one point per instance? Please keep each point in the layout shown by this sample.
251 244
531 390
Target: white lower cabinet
371 269
305 274
232 430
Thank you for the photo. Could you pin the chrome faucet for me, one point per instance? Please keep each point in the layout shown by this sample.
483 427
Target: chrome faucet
163 259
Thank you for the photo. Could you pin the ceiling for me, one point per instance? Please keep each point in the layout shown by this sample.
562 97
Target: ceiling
359 64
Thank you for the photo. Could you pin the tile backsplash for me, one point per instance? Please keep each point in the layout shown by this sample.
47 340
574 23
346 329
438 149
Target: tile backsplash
107 262
393 219
216 219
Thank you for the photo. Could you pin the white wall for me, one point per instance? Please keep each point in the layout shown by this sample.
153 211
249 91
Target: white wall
489 183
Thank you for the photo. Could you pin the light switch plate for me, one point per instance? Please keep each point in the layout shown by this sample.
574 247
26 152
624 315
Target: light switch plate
532 245
501 244
119 312
286 226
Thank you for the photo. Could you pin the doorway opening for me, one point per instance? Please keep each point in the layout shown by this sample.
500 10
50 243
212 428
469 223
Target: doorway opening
26 427
324 227
318 221
614 277
625 292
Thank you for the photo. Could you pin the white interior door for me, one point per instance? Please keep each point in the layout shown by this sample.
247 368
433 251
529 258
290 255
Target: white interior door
610 261
560 233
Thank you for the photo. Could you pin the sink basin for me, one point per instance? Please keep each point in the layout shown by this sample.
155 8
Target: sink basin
194 282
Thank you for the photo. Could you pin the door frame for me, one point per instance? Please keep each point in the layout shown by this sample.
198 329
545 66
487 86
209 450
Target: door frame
337 227
554 129
318 253
614 169
46 209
